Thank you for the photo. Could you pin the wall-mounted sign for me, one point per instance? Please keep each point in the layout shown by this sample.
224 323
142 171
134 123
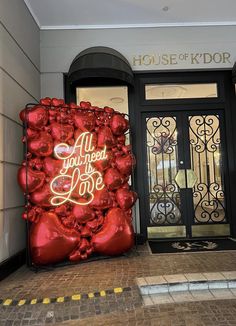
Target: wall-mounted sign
78 176
174 59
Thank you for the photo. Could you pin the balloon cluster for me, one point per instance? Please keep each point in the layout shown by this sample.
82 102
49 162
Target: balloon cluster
76 228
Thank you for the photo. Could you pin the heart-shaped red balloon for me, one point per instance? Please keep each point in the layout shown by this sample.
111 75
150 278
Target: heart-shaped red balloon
50 241
51 166
41 146
85 120
29 179
105 137
102 199
42 196
61 132
36 117
113 179
116 235
45 101
102 165
125 198
118 124
125 164
83 213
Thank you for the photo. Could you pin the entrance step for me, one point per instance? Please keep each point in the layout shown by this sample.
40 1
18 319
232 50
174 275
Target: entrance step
187 287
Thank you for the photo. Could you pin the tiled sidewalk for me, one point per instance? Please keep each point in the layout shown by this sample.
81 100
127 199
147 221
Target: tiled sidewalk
124 308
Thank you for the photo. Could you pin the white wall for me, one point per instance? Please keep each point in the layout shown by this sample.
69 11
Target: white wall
19 85
185 48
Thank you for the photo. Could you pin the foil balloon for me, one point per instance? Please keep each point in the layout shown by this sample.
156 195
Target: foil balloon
35 118
118 124
50 241
125 164
105 137
61 132
42 145
51 166
116 235
113 179
102 199
83 214
30 180
42 196
125 198
85 121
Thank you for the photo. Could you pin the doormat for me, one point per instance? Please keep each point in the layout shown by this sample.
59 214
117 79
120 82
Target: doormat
180 246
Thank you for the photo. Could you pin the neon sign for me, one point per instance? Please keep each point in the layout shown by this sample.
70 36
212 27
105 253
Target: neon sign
78 178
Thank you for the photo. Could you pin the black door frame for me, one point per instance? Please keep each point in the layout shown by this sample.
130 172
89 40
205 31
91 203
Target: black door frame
186 196
225 101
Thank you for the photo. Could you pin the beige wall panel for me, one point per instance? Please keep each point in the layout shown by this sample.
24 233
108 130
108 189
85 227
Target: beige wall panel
1 186
59 48
12 97
13 151
1 139
12 239
13 196
13 60
52 85
17 19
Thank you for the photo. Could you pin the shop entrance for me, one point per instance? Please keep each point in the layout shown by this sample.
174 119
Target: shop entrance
186 174
183 140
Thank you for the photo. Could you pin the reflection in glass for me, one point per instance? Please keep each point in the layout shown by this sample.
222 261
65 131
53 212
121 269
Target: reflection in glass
178 91
162 158
206 161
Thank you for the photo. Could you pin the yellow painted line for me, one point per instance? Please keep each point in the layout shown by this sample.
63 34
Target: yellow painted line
7 302
91 295
102 293
46 300
33 301
76 297
21 302
60 299
118 290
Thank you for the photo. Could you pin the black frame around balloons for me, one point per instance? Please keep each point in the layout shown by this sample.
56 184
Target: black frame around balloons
29 263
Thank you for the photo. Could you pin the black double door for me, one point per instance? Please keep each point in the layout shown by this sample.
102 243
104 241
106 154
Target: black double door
185 174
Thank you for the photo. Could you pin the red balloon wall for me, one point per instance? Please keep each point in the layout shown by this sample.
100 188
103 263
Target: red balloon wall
75 178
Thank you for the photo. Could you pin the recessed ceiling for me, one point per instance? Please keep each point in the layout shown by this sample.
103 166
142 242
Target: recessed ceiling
87 14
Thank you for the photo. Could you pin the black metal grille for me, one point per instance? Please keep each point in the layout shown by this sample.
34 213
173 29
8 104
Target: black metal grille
162 158
206 161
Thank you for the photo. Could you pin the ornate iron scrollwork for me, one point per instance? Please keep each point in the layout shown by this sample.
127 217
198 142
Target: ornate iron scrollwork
205 148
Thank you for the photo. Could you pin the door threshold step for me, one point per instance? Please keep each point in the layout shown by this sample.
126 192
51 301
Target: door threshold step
187 282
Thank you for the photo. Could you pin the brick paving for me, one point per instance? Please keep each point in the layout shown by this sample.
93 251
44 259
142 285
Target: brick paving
124 308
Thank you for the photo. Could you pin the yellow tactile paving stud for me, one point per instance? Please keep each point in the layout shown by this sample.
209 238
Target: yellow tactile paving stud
102 293
60 299
21 302
90 295
46 300
7 302
76 297
33 301
118 290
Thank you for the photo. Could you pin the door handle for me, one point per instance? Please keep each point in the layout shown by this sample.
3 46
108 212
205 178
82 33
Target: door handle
185 178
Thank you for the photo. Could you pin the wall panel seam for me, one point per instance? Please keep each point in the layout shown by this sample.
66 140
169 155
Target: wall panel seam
11 163
12 120
6 72
9 208
20 47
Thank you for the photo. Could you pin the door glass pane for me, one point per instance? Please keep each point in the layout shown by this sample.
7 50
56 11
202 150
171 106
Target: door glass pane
178 91
115 97
206 161
162 158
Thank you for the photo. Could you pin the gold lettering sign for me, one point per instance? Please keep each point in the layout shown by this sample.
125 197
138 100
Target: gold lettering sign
78 179
173 59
